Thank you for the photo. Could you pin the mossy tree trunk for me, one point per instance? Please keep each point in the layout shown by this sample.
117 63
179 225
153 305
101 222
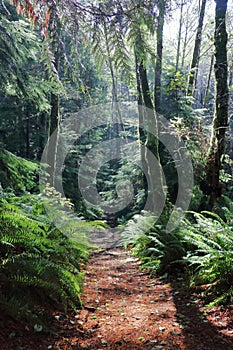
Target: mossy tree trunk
153 169
220 122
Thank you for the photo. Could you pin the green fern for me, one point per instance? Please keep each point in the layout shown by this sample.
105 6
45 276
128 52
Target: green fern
38 262
17 173
211 256
158 249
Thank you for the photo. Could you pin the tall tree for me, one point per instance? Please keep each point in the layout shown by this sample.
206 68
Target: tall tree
149 123
159 54
220 121
196 52
54 120
179 35
208 81
23 88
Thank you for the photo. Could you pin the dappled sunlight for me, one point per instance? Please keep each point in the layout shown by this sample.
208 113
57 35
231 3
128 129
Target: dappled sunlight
127 308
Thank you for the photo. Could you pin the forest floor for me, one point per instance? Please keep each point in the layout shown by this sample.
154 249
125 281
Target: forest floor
125 308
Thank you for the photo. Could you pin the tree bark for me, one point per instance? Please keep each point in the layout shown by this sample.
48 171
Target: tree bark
231 73
141 131
43 122
54 119
159 55
185 43
220 122
208 81
179 36
118 125
196 52
153 171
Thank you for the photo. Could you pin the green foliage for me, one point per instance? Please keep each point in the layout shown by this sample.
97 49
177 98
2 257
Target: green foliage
202 244
24 89
192 127
113 183
39 264
174 101
199 200
211 257
19 49
79 77
12 56
17 174
158 249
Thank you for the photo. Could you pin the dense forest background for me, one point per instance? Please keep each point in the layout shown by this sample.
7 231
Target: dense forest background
169 62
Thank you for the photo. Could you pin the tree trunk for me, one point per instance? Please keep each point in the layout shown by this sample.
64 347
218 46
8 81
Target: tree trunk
179 37
27 134
196 52
159 56
117 122
231 73
220 122
153 167
43 122
208 81
54 120
114 86
185 44
141 131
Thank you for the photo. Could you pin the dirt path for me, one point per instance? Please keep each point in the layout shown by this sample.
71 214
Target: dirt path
125 308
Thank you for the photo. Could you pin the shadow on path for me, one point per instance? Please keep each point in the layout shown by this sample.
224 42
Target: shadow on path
128 309
194 323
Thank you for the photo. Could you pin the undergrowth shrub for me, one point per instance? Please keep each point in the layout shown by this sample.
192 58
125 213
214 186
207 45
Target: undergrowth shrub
40 265
202 244
149 240
211 259
18 173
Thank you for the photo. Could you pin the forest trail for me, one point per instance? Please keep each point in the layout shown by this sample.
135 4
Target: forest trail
126 308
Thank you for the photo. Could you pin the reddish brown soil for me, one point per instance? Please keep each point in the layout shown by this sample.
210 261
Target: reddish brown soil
125 308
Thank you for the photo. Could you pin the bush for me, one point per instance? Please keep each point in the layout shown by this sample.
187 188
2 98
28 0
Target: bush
211 258
18 174
39 264
158 249
202 244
